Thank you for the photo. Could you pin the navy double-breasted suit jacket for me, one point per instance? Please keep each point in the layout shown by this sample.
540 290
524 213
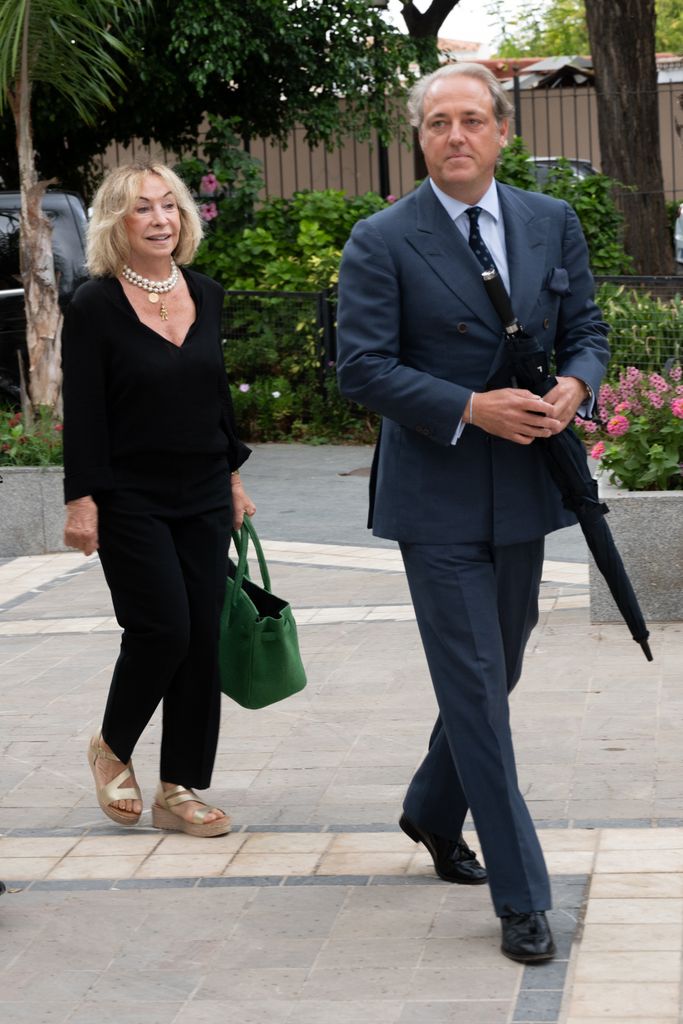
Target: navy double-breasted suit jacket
417 334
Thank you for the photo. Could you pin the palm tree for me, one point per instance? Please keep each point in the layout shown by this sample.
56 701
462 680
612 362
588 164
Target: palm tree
72 45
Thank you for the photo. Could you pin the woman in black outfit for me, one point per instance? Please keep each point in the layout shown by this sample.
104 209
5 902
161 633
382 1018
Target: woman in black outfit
151 460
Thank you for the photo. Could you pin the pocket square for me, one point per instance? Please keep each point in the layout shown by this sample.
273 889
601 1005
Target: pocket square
558 281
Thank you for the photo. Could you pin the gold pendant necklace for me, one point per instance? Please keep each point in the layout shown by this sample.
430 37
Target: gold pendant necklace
154 289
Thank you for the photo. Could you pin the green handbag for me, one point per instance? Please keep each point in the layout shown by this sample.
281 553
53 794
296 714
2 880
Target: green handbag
259 657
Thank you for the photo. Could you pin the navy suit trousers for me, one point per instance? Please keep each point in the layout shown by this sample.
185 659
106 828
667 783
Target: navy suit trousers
476 606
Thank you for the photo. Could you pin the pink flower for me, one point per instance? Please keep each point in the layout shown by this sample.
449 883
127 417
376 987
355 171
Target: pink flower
244 388
617 426
590 426
622 407
657 382
391 199
598 450
677 408
208 184
676 373
207 211
655 399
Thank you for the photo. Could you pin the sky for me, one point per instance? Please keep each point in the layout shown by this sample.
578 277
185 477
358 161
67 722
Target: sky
468 21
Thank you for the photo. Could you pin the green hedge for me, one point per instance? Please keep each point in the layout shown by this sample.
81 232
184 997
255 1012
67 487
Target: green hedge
273 350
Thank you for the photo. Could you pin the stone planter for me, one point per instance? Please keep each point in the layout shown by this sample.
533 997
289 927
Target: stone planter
31 510
648 529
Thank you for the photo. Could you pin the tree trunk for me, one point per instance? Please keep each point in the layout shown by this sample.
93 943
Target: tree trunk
622 39
41 297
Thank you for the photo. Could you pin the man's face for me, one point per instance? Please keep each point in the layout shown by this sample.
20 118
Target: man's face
460 136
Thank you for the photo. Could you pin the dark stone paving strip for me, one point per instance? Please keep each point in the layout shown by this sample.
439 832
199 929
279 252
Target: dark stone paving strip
29 595
540 995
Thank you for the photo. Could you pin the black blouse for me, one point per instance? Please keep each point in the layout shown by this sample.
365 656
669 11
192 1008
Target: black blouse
130 392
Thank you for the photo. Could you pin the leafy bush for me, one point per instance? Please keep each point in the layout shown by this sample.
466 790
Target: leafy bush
30 444
294 245
590 197
646 331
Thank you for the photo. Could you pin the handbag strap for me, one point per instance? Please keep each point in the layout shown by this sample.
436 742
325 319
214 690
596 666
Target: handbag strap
241 539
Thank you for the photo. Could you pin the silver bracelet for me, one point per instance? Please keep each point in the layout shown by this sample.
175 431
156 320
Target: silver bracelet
471 401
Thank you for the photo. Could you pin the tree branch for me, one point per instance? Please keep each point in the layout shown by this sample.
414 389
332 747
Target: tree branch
422 24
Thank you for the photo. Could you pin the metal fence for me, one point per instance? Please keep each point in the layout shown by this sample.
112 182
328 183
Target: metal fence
270 332
267 333
646 319
552 122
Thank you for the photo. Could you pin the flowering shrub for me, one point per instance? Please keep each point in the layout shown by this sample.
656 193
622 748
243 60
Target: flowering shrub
35 444
640 442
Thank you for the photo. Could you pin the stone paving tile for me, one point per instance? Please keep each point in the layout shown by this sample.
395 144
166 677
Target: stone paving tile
594 747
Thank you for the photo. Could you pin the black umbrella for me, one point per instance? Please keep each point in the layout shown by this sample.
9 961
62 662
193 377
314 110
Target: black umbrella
526 366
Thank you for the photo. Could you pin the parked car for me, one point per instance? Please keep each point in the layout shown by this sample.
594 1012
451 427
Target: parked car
543 165
678 236
67 212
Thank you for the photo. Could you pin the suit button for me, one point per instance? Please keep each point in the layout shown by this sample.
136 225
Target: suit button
546 323
462 328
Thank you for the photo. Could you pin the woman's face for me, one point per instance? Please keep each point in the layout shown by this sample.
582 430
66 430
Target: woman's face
153 225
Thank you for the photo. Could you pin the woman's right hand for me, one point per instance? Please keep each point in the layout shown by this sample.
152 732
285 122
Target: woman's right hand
80 530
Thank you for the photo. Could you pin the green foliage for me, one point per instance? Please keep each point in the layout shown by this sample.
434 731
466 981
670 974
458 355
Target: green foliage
74 46
645 331
275 63
558 28
312 410
514 166
590 197
281 244
35 444
273 351
264 66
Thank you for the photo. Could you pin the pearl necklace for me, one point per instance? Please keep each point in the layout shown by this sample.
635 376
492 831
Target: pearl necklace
154 289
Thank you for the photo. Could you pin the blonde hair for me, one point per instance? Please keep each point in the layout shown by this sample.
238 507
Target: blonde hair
108 248
502 108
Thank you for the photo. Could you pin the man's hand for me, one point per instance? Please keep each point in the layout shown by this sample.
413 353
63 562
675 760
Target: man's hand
80 530
566 397
513 414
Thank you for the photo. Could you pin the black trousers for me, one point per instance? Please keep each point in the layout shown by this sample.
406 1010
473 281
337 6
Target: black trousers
476 606
164 534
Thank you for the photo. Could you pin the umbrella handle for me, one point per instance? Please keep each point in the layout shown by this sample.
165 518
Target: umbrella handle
500 300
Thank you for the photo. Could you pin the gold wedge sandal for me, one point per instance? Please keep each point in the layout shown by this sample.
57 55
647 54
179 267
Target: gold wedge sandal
164 817
111 791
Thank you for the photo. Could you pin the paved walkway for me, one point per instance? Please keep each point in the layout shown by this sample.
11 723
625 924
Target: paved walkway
316 909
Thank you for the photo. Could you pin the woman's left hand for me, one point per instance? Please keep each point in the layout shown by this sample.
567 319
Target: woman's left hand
241 502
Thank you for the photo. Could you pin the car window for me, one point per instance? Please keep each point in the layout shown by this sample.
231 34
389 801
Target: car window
9 249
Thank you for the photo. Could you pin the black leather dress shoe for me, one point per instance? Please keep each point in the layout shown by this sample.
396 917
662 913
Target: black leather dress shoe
453 859
527 937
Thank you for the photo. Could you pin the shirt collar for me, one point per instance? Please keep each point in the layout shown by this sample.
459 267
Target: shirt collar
454 208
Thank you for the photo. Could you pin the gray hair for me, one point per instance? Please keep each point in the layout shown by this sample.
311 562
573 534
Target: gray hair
502 108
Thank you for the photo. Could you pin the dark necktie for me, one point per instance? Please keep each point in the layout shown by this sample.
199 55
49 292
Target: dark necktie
476 242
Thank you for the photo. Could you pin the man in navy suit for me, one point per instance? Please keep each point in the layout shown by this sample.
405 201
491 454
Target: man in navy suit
457 479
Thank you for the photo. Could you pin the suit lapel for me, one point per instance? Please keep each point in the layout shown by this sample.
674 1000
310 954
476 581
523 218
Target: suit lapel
443 248
525 242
